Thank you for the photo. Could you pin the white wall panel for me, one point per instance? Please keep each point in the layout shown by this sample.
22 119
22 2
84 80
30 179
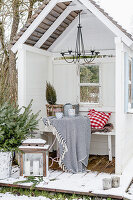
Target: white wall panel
65 83
108 84
36 77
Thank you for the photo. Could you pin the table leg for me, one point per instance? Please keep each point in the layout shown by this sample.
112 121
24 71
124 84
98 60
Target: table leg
110 147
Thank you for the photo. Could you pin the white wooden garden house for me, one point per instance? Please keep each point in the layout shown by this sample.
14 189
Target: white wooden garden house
51 30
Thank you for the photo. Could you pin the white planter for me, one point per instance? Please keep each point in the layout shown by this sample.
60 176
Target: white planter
5 164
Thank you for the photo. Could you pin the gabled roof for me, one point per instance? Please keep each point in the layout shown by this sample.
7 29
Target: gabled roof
54 14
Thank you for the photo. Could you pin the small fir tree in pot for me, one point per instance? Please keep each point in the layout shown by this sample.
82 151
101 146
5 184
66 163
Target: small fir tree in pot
51 99
50 94
16 124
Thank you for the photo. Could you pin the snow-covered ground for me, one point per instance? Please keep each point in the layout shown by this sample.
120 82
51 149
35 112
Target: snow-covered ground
8 196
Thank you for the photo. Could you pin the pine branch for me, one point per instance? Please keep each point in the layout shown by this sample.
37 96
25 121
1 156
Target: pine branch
31 179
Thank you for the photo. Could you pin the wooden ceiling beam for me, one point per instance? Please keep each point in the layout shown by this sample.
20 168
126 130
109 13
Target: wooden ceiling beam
40 30
31 42
37 34
44 26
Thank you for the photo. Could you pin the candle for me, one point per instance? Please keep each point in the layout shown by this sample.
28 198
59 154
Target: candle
27 168
71 112
107 183
115 182
35 168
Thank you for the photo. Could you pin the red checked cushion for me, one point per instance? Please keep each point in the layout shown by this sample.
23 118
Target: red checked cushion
98 119
91 112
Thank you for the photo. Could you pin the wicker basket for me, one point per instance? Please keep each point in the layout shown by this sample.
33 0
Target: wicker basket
52 109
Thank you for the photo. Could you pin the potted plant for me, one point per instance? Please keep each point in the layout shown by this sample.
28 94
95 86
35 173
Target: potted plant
51 98
16 124
50 94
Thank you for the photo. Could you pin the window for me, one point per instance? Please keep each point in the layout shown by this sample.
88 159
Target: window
90 84
130 86
128 92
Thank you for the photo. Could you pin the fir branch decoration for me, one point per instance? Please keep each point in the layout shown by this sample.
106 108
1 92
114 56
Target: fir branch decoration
50 94
15 125
31 179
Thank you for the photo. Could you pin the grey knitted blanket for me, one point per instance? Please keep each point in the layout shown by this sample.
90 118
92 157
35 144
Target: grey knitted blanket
73 135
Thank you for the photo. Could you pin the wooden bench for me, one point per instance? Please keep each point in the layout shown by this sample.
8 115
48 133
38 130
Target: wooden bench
109 135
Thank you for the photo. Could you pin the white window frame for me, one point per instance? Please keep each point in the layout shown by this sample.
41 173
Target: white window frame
130 108
92 84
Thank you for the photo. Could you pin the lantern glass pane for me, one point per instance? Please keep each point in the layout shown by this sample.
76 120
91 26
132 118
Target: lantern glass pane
33 164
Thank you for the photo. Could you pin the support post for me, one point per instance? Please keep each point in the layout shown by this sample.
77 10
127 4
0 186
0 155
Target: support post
21 76
110 147
119 101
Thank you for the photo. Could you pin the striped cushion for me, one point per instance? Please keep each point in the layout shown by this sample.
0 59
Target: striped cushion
98 119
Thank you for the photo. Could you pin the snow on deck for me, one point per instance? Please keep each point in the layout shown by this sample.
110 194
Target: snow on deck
86 183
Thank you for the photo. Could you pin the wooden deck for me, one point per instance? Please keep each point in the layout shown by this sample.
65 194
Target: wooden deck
88 183
96 163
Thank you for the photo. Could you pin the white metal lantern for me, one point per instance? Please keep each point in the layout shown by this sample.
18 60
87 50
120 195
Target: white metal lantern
34 158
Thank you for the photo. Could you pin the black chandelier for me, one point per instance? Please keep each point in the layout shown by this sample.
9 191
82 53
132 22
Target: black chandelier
79 53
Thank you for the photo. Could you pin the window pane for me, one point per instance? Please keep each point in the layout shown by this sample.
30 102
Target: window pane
130 86
89 94
130 71
29 161
89 74
129 95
